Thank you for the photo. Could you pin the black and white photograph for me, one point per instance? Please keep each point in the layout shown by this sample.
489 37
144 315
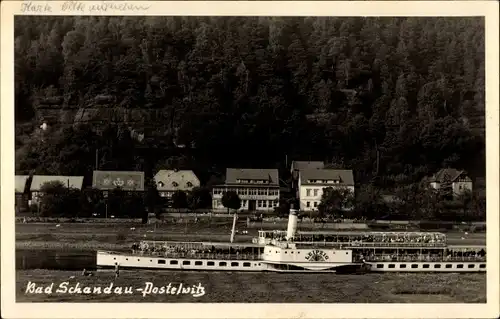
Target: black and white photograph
256 159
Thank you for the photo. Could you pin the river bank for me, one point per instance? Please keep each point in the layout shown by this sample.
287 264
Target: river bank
258 287
116 236
121 236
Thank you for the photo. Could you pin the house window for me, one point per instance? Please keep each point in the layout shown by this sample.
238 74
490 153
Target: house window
308 204
264 203
315 204
308 192
189 184
174 184
315 192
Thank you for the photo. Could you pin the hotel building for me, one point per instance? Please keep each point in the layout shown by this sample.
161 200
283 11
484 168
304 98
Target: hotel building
258 189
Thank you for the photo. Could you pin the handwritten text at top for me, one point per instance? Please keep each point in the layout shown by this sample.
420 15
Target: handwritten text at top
81 6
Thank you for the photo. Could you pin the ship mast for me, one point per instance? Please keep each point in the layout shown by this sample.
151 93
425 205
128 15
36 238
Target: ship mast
235 217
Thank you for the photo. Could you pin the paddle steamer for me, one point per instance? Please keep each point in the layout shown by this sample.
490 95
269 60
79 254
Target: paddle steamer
295 251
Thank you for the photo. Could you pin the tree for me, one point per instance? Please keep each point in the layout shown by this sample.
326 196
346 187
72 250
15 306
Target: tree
199 198
405 93
231 200
134 205
466 200
429 204
369 203
92 202
335 201
152 200
283 210
115 203
179 199
57 200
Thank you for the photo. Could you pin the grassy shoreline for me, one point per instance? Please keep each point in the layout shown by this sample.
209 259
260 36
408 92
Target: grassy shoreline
121 236
262 287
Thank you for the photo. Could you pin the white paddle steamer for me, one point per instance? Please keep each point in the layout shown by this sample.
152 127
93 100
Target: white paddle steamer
292 251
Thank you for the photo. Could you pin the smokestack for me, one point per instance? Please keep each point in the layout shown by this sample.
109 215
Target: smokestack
292 223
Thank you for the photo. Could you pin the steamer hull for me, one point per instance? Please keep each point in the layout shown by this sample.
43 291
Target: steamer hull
292 251
428 266
106 259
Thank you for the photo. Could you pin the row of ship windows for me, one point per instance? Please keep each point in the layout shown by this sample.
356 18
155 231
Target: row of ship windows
199 263
460 266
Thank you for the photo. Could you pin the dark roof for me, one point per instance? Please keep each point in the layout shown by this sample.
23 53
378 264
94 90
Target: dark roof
128 181
300 165
233 174
345 176
71 181
447 175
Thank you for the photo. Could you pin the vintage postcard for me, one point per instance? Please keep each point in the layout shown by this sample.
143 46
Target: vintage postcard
250 159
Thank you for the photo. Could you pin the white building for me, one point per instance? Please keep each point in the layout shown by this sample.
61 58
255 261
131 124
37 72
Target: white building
258 189
312 182
170 181
451 179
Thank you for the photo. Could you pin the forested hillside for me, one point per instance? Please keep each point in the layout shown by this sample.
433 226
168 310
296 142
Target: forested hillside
248 92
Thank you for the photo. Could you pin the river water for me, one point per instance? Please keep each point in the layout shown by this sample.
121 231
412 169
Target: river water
55 259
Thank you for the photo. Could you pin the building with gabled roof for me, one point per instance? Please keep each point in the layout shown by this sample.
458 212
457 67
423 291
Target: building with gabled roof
170 181
22 192
75 182
129 181
258 189
450 179
312 183
297 166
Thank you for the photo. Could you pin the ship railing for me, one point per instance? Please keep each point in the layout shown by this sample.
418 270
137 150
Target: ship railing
374 244
216 256
421 258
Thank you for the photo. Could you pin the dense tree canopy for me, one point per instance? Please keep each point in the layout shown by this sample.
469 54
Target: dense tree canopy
231 200
392 98
57 200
